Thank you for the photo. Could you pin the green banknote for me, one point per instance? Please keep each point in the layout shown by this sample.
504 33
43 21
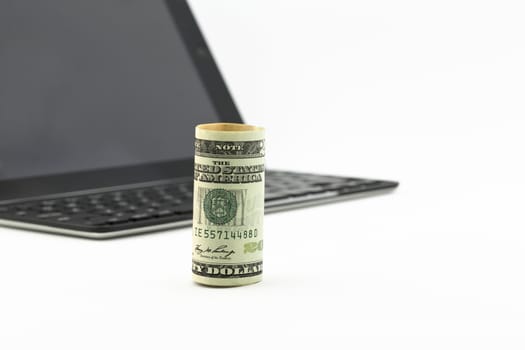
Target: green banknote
228 209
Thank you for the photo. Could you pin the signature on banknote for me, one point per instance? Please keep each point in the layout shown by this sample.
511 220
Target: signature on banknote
221 251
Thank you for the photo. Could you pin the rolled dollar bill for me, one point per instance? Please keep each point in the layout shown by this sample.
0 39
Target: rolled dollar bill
228 204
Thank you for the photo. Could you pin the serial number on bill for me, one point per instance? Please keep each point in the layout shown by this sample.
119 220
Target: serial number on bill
224 234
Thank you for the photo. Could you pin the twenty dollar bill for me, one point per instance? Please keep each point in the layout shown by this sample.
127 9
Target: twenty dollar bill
228 204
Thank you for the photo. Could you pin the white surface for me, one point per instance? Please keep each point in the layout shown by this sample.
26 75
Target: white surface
428 93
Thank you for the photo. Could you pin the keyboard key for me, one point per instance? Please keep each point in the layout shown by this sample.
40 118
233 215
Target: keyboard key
48 215
165 212
141 216
117 220
24 207
107 212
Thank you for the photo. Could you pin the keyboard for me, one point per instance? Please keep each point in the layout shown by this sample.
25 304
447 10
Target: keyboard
117 210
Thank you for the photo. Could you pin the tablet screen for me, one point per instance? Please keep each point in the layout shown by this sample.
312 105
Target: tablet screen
93 84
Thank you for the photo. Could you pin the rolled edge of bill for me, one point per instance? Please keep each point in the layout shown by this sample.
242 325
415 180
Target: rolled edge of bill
228 207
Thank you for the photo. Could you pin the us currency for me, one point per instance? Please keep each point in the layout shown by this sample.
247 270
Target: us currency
228 208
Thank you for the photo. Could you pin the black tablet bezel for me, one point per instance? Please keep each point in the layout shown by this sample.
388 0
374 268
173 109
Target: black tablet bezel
217 91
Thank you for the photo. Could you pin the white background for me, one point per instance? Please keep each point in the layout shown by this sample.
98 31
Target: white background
430 93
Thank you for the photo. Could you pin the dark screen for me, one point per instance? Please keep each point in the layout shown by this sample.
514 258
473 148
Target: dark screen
92 84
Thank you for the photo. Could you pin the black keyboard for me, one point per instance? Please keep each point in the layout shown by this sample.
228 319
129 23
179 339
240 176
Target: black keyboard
156 205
